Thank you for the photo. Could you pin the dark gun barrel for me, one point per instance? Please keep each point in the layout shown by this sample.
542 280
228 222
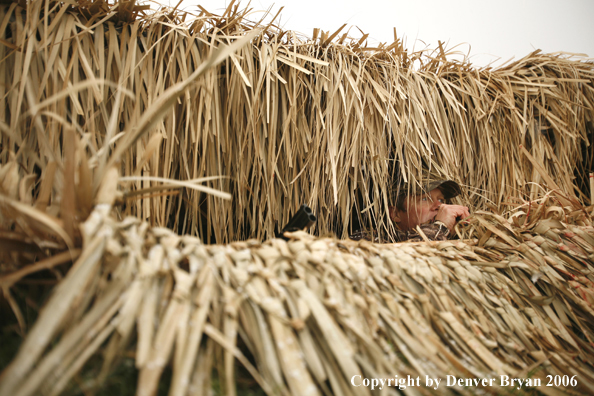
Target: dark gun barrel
301 220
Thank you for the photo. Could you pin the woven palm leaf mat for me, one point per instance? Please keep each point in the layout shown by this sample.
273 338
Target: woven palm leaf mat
327 316
511 301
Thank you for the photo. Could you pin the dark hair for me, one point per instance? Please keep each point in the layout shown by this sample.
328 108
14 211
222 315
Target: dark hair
400 202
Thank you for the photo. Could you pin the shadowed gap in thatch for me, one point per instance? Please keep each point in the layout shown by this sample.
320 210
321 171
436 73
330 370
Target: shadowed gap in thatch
286 120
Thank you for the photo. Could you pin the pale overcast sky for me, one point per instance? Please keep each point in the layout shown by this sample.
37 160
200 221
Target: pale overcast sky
493 29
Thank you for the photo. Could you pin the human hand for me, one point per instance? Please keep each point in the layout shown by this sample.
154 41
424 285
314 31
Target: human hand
451 214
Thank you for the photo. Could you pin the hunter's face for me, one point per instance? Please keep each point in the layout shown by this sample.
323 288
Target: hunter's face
420 209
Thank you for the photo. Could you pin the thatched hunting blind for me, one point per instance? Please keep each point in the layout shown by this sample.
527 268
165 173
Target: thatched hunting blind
130 141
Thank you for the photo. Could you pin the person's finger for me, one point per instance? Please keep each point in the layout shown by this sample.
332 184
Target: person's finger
462 210
464 213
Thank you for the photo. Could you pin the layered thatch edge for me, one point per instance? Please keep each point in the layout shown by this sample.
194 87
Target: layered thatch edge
285 120
46 216
314 312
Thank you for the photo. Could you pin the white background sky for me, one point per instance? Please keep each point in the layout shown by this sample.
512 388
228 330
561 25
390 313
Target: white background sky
490 29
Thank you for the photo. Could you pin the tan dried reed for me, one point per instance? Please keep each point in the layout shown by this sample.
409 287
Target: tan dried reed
287 119
313 312
91 91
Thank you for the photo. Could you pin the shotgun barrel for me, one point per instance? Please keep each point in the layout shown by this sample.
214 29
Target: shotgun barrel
301 220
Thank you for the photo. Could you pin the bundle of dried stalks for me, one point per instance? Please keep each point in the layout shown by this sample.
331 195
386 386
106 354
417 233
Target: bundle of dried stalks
312 313
285 120
91 91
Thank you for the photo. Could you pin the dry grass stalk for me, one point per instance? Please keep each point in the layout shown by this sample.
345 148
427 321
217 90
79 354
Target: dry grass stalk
288 119
91 92
313 312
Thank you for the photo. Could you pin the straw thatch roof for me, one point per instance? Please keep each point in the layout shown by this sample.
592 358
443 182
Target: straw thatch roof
284 120
312 313
108 113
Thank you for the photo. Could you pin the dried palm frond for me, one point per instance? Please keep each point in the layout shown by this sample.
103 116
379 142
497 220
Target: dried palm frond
94 91
312 313
286 119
